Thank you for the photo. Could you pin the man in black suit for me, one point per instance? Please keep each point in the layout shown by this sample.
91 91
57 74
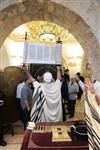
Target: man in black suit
80 93
2 98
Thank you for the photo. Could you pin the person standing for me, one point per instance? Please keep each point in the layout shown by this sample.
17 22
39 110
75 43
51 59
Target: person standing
66 75
73 89
47 101
80 76
92 111
19 88
18 97
65 97
26 101
80 93
2 99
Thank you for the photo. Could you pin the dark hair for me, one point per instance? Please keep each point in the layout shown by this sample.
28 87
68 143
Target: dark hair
66 70
78 73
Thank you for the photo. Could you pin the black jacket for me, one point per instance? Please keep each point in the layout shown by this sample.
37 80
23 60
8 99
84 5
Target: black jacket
2 95
2 115
64 91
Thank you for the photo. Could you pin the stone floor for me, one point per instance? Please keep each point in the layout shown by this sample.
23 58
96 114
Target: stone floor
14 142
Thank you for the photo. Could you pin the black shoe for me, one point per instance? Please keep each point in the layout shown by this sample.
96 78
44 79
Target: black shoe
67 113
3 143
71 116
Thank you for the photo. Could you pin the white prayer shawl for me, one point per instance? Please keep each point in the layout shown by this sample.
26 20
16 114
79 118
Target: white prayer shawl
92 114
37 104
52 106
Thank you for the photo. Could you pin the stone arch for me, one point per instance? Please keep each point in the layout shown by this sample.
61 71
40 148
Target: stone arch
33 10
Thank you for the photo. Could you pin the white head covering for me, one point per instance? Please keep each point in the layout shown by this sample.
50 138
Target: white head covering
47 77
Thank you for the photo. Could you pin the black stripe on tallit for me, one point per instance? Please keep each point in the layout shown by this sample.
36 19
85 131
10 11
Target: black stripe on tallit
96 146
92 130
39 109
88 119
93 112
38 105
39 116
93 137
38 99
35 96
36 113
96 136
91 142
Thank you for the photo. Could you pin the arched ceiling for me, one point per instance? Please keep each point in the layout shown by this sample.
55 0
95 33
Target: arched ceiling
42 31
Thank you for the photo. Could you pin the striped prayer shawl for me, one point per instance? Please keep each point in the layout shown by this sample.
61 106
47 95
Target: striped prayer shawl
37 106
92 115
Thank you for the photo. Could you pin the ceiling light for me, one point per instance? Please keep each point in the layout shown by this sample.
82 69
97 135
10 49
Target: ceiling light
47 36
41 31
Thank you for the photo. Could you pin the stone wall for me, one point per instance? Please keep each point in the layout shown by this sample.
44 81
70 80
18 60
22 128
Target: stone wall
89 10
85 67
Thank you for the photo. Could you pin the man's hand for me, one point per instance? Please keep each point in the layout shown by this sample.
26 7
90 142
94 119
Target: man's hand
58 72
28 74
89 85
58 67
24 68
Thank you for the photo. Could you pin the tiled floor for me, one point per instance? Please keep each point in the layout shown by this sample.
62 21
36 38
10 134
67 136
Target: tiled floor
14 142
